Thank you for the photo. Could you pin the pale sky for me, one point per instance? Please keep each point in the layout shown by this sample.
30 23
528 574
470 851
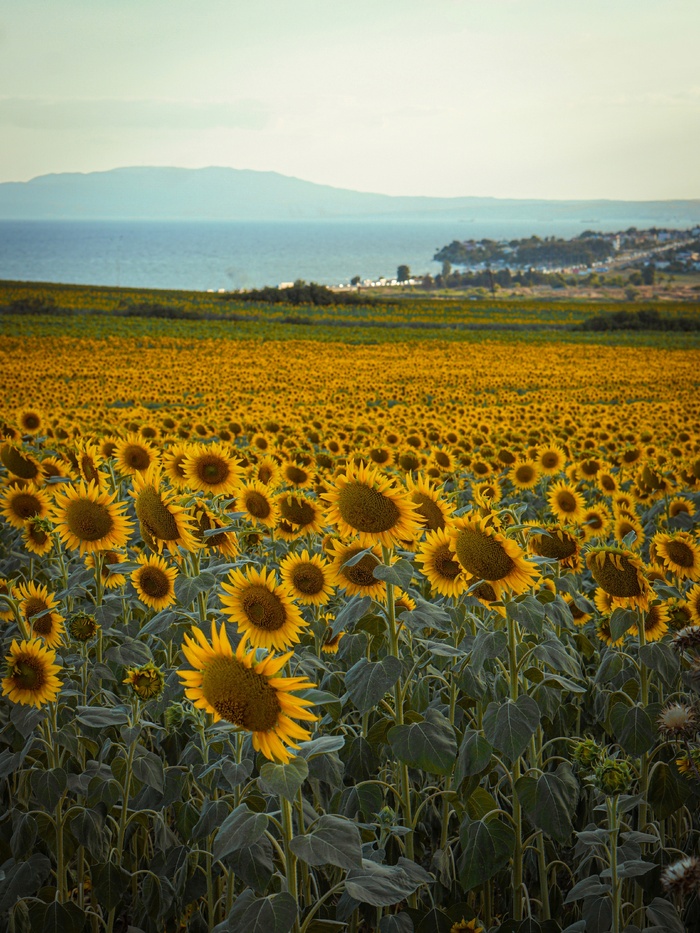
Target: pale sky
503 98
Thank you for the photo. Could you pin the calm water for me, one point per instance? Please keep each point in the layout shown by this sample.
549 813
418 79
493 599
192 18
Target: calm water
202 255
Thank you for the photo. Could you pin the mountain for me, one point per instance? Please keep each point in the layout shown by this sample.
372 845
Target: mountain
153 193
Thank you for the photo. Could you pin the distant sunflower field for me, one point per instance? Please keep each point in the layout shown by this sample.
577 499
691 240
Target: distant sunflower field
308 636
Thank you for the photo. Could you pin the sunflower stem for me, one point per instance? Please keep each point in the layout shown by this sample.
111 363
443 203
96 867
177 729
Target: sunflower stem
515 775
615 884
289 857
644 762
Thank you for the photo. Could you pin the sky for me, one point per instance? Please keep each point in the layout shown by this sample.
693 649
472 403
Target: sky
504 98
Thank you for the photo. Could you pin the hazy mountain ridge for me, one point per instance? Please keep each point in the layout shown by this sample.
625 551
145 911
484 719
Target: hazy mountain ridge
154 193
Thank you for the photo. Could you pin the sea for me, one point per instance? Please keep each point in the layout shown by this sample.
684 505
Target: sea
217 255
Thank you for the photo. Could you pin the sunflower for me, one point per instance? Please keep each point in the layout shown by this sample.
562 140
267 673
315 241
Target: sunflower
263 610
578 615
254 499
433 511
247 692
365 504
443 459
693 604
225 543
624 524
604 602
620 574
20 503
147 681
134 455
89 519
524 474
381 456
487 493
31 674
37 537
296 475
211 468
602 630
680 554
681 505
486 554
551 459
301 514
357 578
595 523
606 482
38 607
6 612
266 471
307 578
88 463
440 565
173 460
30 421
154 582
111 579
403 602
107 446
566 503
557 544
656 621
20 462
409 461
163 522
54 466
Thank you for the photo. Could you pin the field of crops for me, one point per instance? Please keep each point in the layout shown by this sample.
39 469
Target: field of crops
400 635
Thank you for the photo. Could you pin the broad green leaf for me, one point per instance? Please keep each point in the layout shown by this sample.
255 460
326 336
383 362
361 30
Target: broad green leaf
621 621
665 916
187 588
400 573
488 645
379 885
368 681
429 745
109 882
323 745
528 612
273 914
546 800
352 612
241 828
253 864
283 780
211 816
661 658
88 829
508 726
100 717
148 768
486 848
637 733
48 786
474 755
667 793
331 840
62 918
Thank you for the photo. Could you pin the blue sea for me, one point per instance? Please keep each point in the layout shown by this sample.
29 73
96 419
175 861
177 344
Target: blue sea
222 255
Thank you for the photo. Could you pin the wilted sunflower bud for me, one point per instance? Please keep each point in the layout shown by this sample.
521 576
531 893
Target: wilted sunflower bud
613 776
587 754
683 877
147 681
83 626
678 721
687 639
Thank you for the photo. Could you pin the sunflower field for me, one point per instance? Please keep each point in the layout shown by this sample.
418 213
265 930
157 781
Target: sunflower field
308 636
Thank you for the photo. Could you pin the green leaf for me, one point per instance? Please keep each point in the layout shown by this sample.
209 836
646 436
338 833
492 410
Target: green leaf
363 802
211 816
88 829
665 916
235 773
528 612
621 621
637 733
62 918
352 612
474 755
396 923
253 864
666 792
109 882
323 745
661 658
487 645
283 780
426 615
429 745
241 828
379 885
589 887
48 786
400 573
100 717
557 656
486 848
148 768
273 914
367 682
331 840
547 801
188 588
509 726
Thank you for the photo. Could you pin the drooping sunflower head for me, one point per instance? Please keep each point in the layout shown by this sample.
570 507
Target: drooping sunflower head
680 554
307 578
82 626
558 544
299 512
154 582
433 511
19 504
31 674
20 462
620 574
211 468
37 536
364 504
164 523
247 692
263 610
486 554
89 519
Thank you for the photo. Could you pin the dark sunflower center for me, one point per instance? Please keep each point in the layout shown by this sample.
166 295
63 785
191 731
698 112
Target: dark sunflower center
445 564
408 463
506 456
44 625
257 504
429 510
136 456
442 458
25 505
298 512
265 474
28 674
480 468
154 582
31 421
620 582
566 501
308 579
379 455
33 606
594 521
553 546
486 592
88 520
264 609
680 553
361 573
296 475
88 468
652 619
155 515
607 482
525 473
240 695
212 470
17 464
549 460
482 556
576 613
366 509
37 534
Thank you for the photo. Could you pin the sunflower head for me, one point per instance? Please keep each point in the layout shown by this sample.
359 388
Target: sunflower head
82 626
211 468
613 776
154 582
486 554
620 574
147 681
31 674
263 610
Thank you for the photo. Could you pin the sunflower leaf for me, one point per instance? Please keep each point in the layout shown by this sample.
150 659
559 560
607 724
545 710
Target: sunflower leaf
273 914
400 573
368 681
352 612
429 745
508 726
486 847
241 828
283 780
332 840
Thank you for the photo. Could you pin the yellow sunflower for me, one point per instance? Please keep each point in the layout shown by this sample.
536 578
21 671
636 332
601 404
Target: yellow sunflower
551 459
693 603
20 462
566 503
433 511
603 631
486 554
606 482
364 504
356 579
247 692
226 542
88 463
90 520
487 493
163 522
681 505
579 616
37 537
604 602
54 466
624 525
253 498
296 475
154 582
595 523
38 607
266 471
147 681
621 574
301 514
31 674
524 474
263 610
173 460
440 565
656 622
20 503
6 612
211 468
30 421
307 578
134 455
558 544
680 554
111 579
